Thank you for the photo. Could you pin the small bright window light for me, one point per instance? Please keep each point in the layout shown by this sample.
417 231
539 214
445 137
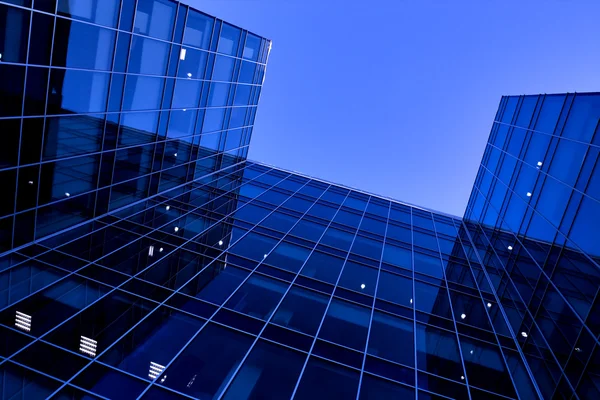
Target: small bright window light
471 351
30 182
23 321
577 349
182 54
462 377
151 251
160 250
220 243
264 256
362 286
410 301
463 316
524 334
0 56
168 208
510 247
176 229
489 305
175 155
185 109
67 194
189 74
528 194
155 370
539 164
88 346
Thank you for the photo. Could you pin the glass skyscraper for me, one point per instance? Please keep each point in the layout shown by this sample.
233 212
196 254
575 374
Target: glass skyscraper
143 256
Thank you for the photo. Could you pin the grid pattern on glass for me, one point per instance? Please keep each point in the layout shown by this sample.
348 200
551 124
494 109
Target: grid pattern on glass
105 103
258 272
534 219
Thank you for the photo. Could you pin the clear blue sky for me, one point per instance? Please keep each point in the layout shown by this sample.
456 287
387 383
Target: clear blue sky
397 97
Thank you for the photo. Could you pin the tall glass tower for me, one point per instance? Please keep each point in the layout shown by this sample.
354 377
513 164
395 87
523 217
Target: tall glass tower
143 256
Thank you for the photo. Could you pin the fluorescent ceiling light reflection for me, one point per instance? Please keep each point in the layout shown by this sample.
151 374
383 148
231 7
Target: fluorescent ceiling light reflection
151 251
155 370
88 346
23 321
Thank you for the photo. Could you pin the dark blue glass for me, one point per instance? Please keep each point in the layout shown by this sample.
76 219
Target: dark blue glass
325 379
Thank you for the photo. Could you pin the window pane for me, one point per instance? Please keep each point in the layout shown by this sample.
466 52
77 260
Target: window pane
257 297
373 388
346 324
102 12
322 379
358 278
437 352
142 93
323 267
288 256
198 30
301 310
392 338
228 41
218 94
207 362
78 91
252 47
395 288
269 372
80 45
155 18
14 29
148 56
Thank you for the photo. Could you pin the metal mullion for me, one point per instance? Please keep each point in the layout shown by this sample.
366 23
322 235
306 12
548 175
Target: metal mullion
165 78
362 370
118 133
112 68
330 298
24 92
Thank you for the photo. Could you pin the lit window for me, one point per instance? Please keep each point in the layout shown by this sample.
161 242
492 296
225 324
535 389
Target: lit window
88 346
23 321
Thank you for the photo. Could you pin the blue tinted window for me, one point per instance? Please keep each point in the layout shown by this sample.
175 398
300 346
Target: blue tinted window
432 299
395 288
148 56
223 70
301 310
392 338
181 123
323 267
206 360
373 388
198 30
278 370
583 117
257 297
81 91
397 256
428 265
323 379
567 161
242 95
346 323
288 256
229 39
358 278
251 47
192 63
80 45
551 108
218 94
102 12
337 238
213 120
247 72
253 246
13 34
187 93
142 93
155 18
437 352
219 283
586 228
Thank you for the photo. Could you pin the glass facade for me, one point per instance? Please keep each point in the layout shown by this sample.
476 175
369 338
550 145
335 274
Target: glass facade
105 103
534 216
143 256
